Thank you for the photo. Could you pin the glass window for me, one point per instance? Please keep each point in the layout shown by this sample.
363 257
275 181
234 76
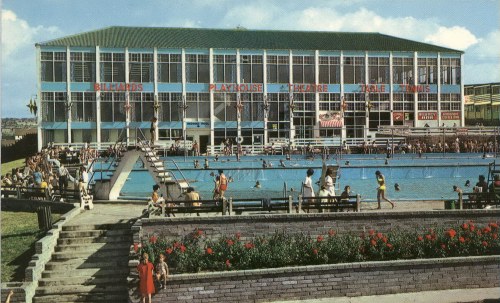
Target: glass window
450 71
251 69
140 67
197 68
112 67
378 70
53 66
402 70
82 67
354 70
278 69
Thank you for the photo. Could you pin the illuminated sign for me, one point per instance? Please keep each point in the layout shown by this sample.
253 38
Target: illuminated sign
450 115
120 86
427 116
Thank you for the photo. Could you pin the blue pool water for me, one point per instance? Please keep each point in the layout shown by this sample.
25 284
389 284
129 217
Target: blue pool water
427 178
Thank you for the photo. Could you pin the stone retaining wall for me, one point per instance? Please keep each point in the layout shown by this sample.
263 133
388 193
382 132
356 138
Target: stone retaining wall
12 204
315 224
324 281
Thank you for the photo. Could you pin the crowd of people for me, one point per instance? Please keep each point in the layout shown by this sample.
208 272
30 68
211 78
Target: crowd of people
47 172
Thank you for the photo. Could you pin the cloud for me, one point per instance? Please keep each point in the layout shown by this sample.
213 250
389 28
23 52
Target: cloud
456 37
482 60
18 61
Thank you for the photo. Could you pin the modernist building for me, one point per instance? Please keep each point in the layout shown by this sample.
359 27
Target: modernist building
482 104
253 85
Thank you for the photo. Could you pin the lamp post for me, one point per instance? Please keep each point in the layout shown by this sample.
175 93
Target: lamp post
127 108
68 105
291 106
239 108
156 107
267 106
184 107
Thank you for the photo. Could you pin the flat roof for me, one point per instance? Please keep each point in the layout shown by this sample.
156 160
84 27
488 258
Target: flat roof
163 37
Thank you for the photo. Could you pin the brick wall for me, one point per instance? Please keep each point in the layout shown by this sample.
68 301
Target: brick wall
315 224
324 281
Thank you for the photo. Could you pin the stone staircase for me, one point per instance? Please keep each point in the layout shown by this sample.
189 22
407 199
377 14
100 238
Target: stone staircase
90 264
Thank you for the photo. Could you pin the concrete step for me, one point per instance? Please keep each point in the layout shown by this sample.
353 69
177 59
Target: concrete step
91 247
80 289
66 256
85 263
93 233
97 226
88 272
163 174
102 239
115 298
78 279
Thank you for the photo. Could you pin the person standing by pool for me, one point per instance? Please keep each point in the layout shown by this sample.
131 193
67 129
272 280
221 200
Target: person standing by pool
222 183
329 183
146 282
308 190
152 130
381 189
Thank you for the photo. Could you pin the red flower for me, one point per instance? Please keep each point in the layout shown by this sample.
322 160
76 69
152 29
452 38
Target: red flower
443 246
199 233
472 227
486 230
209 251
153 239
373 242
177 244
493 225
238 235
495 236
419 238
478 232
228 264
465 226
451 233
169 250
389 245
331 233
384 239
183 248
229 242
371 232
428 237
319 238
249 245
461 239
380 236
484 243
315 251
136 247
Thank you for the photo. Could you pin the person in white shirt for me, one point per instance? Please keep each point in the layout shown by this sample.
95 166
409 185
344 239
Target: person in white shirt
84 180
329 182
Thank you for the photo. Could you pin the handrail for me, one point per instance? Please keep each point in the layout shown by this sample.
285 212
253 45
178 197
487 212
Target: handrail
180 171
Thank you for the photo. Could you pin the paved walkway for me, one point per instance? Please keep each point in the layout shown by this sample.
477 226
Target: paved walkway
486 295
119 212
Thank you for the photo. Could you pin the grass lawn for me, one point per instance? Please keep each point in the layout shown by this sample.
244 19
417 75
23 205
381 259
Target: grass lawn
7 167
19 234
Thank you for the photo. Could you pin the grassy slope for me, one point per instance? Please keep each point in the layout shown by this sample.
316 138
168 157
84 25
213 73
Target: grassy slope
19 234
7 167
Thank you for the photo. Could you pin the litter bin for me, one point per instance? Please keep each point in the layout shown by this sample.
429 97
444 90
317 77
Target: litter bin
449 204
44 214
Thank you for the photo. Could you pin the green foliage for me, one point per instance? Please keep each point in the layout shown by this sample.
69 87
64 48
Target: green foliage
195 252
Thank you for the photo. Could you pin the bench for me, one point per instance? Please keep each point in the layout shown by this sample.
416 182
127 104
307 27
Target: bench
330 204
479 200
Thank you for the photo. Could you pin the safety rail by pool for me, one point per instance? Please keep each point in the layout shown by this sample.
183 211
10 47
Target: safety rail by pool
230 206
478 200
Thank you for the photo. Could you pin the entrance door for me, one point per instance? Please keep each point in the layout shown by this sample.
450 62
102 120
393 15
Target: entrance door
203 143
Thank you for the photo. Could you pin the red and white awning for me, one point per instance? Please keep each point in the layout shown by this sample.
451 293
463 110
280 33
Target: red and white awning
331 123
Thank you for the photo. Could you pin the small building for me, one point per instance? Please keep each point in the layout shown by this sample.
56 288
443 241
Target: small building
482 104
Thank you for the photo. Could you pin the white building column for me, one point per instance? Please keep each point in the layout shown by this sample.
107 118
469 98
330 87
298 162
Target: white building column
439 88
239 111
415 83
391 92
212 103
462 92
316 93
127 97
266 116
343 131
98 96
367 99
290 96
67 105
155 92
39 98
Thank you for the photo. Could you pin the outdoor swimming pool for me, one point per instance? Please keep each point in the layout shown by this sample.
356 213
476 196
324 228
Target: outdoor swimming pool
427 178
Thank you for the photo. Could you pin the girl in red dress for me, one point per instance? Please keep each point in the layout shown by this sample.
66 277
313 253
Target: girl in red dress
146 271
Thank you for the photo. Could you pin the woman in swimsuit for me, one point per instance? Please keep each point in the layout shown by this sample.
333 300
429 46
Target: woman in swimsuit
381 189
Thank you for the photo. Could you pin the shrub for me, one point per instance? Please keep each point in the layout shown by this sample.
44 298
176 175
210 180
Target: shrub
195 252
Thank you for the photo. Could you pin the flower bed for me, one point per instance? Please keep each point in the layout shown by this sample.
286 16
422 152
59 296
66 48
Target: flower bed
195 252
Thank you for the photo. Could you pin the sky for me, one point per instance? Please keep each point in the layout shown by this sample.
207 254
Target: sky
468 25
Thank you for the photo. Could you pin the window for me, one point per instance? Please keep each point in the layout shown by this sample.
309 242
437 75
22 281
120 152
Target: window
53 66
427 70
253 107
169 68
170 107
329 101
355 102
379 102
197 68
83 107
450 102
279 104
403 102
450 71
54 107
329 70
112 67
278 68
140 67
402 70
141 106
303 69
225 68
198 106
252 69
113 107
82 67
427 102
354 70
378 70
225 106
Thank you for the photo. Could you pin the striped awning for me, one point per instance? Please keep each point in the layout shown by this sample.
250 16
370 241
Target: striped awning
331 123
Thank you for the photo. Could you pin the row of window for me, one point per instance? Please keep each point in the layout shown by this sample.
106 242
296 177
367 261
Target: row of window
141 69
113 105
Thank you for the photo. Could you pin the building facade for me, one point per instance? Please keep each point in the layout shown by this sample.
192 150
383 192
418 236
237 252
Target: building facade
255 86
482 104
